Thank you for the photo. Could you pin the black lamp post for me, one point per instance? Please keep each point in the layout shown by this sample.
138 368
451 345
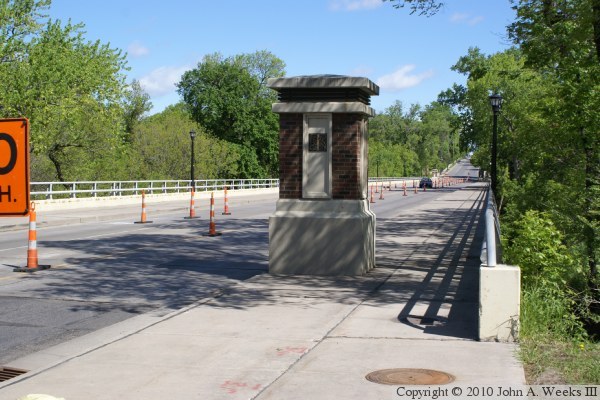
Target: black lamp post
192 136
496 102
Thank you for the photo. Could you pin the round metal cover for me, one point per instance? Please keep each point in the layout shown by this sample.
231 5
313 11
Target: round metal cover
410 376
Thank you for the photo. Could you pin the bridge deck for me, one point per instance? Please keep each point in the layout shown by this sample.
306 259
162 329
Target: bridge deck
272 337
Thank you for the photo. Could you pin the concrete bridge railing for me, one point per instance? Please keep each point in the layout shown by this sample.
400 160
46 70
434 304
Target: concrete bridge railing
499 285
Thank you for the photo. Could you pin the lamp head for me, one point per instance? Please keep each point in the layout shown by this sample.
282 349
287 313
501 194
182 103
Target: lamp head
496 102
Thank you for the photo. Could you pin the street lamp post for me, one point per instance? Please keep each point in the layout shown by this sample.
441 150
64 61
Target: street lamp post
192 183
496 103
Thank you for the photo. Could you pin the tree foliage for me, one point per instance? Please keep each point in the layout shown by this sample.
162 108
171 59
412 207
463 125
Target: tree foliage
19 19
71 89
229 98
549 140
421 7
161 149
136 105
561 39
412 142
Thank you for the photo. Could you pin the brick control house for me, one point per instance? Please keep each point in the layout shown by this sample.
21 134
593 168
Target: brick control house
323 224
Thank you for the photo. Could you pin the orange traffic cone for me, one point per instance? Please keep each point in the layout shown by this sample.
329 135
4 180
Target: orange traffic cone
192 209
226 210
372 199
32 254
404 188
381 193
143 217
415 186
212 230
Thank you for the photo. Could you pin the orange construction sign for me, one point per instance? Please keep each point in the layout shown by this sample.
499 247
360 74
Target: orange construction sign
14 167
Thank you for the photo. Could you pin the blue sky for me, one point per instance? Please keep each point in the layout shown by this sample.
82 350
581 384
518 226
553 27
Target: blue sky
408 56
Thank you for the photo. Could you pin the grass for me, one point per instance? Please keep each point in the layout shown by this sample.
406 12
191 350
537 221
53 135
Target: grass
555 348
551 361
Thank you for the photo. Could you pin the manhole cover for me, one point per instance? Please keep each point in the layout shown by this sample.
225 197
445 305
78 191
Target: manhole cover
410 376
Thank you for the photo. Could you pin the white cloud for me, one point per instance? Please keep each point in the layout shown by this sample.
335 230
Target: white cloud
458 17
354 5
462 18
161 81
402 79
136 49
476 20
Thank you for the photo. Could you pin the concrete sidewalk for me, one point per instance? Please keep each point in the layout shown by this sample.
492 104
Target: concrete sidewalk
273 337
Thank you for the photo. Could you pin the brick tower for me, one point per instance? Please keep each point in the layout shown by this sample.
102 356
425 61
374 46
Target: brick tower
322 224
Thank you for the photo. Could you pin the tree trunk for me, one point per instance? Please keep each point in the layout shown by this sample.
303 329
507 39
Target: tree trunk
596 26
53 156
591 211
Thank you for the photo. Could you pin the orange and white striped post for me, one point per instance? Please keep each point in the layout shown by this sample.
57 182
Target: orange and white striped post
32 253
372 198
415 186
226 210
192 206
212 229
381 193
143 219
404 188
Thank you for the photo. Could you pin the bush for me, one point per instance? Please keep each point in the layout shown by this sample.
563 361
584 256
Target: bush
548 269
537 247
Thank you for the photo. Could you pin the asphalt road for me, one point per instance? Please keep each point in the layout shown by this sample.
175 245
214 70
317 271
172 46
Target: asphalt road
107 271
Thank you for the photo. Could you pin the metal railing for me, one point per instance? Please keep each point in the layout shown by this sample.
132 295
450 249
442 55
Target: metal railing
87 189
491 252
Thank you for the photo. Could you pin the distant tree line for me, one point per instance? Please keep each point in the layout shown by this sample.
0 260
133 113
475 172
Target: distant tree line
413 142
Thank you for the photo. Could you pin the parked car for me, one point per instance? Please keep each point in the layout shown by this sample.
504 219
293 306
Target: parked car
426 182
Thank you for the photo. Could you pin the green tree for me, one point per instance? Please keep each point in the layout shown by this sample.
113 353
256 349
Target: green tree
161 147
71 91
228 97
420 7
19 20
441 132
562 39
423 138
136 104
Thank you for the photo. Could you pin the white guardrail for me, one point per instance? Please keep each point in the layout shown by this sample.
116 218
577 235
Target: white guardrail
491 252
88 189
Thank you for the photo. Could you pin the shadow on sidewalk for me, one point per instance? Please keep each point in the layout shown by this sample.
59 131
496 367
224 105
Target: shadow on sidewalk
436 285
427 265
